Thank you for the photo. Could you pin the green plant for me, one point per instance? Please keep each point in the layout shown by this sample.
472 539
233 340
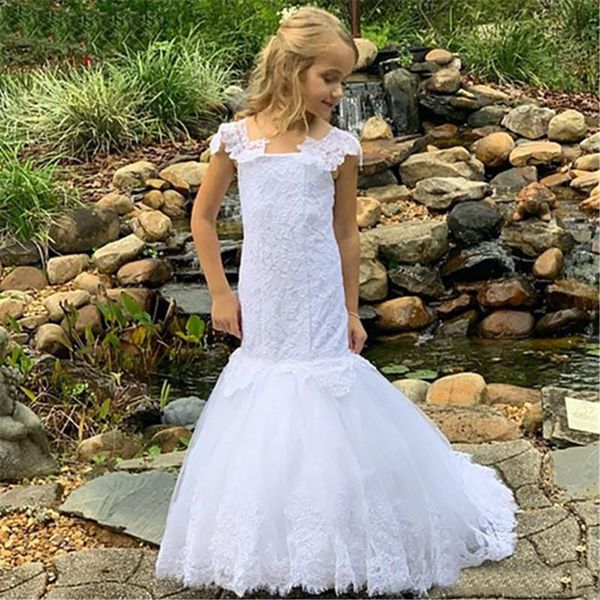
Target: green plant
165 392
31 196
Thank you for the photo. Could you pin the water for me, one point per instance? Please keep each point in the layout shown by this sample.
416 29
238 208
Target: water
570 362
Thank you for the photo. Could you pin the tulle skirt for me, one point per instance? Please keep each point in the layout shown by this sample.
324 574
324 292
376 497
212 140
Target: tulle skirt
293 478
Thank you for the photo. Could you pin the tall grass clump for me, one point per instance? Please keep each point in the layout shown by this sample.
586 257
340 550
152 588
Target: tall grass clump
76 112
179 83
31 197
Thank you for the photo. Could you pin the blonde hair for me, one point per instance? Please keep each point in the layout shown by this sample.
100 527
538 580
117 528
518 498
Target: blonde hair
303 36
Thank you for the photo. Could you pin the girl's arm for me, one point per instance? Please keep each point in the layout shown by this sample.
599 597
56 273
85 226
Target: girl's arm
217 178
346 228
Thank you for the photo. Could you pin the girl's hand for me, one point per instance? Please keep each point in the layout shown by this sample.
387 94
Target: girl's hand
226 313
356 334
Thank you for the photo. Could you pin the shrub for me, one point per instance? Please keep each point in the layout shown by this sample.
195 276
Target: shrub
30 197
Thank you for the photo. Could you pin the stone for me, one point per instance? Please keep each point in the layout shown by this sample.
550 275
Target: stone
120 203
11 307
531 496
439 56
412 241
24 447
61 269
556 420
84 229
147 271
402 314
18 253
191 172
154 199
535 200
591 144
51 338
136 504
588 162
417 280
452 162
586 182
567 126
86 317
473 222
174 204
532 419
110 444
507 324
444 81
548 264
460 389
493 150
488 94
367 51
157 184
441 193
528 121
483 261
555 179
487 115
514 179
535 153
23 496
183 412
368 211
373 279
376 128
472 424
169 440
383 154
401 88
562 322
110 257
133 175
152 226
570 293
577 471
450 307
24 278
515 395
92 283
389 193
143 296
531 237
58 302
458 326
514 292
414 389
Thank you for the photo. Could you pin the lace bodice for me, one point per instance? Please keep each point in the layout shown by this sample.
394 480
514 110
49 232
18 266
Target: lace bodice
290 280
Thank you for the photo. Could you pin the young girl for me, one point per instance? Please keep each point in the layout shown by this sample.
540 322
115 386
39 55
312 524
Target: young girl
307 466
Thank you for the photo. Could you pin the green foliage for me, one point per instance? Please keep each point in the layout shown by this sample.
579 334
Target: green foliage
30 196
179 82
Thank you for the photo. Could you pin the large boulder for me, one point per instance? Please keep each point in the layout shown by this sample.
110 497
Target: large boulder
403 314
61 269
535 153
24 278
84 229
440 193
567 126
110 257
133 175
528 120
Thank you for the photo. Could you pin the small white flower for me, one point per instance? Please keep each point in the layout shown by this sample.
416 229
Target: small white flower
287 12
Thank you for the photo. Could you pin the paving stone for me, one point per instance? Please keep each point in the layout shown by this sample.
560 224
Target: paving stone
535 521
494 452
593 548
49 494
105 590
577 471
168 460
522 469
531 496
588 511
558 544
27 581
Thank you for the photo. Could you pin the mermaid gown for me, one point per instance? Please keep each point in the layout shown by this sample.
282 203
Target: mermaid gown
307 467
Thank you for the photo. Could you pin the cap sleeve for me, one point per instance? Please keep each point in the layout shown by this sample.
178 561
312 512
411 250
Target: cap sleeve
227 138
348 143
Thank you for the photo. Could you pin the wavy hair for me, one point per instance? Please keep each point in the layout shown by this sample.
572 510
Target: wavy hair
275 84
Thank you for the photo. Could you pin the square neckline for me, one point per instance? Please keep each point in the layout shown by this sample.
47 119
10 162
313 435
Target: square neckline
264 140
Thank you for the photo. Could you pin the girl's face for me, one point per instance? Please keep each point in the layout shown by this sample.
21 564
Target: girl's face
322 83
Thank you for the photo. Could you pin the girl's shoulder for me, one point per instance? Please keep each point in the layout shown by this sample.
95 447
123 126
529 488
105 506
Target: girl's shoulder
341 142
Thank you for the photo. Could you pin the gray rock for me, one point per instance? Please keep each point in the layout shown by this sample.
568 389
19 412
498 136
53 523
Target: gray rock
531 496
528 121
183 412
412 241
17 253
27 581
471 223
417 280
486 260
591 144
440 193
47 494
514 179
532 236
401 92
488 115
577 471
135 503
556 422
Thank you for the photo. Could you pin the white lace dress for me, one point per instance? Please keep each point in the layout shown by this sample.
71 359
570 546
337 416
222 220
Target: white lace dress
307 467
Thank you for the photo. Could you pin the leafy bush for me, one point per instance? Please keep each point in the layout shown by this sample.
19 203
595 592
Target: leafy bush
30 197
